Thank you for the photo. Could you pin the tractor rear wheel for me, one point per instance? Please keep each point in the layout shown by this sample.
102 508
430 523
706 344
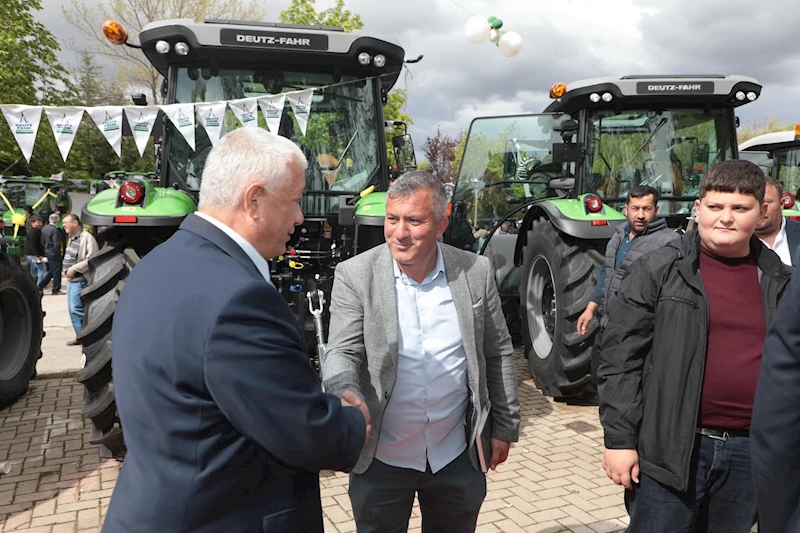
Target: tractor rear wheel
21 332
108 270
558 276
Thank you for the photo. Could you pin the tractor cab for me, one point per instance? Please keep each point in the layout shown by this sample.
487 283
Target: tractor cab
351 75
779 154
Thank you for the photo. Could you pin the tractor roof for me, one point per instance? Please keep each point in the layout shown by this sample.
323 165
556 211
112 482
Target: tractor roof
218 43
770 141
654 90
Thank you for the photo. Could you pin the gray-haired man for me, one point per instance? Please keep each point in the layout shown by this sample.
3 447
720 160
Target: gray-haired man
417 332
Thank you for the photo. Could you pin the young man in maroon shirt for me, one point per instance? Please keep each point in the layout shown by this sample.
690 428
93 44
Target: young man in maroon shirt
680 360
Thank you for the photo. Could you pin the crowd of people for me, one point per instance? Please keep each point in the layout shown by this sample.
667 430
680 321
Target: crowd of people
227 424
54 252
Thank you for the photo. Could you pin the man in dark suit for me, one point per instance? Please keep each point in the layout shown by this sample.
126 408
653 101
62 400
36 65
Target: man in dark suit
225 422
776 231
775 428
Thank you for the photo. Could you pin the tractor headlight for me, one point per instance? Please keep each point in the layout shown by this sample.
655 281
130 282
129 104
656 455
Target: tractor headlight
162 47
181 48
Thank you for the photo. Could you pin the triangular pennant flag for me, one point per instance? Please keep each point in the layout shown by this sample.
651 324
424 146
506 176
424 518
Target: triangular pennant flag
272 107
141 120
212 118
182 116
109 121
65 122
301 105
24 123
245 110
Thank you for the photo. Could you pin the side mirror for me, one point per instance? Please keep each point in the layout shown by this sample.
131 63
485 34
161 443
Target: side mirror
164 88
562 183
514 200
566 126
404 152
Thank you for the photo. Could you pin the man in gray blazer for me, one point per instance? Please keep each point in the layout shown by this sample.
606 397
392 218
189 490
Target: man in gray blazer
417 331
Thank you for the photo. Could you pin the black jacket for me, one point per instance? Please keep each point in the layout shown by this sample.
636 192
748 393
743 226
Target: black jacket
650 374
52 239
775 427
33 242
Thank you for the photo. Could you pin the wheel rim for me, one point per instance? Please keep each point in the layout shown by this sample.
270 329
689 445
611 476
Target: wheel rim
542 307
15 331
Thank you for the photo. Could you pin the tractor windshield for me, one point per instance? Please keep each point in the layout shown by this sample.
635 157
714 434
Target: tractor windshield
786 169
666 149
341 141
506 161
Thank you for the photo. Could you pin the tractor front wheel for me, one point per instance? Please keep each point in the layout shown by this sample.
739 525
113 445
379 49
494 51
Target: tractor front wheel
558 276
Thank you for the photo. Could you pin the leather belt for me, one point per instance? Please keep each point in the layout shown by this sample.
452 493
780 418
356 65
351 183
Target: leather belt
722 434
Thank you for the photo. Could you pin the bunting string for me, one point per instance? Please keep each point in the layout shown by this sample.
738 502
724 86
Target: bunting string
24 120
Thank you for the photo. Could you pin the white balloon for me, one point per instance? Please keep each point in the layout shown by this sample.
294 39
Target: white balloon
477 29
510 44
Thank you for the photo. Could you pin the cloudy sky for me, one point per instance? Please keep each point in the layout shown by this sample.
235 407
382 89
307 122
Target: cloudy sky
566 40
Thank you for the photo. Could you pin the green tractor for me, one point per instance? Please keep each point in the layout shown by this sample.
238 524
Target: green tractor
21 316
345 144
779 154
542 194
43 196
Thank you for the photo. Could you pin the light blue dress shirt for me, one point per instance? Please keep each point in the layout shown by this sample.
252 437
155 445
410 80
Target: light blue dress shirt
424 420
249 249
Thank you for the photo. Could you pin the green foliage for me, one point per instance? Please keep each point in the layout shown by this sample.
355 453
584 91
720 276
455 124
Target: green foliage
304 12
32 75
393 110
754 129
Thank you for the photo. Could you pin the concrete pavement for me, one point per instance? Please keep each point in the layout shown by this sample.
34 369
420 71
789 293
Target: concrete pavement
551 483
58 359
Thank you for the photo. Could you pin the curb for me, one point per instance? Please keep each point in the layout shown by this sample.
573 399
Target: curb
57 374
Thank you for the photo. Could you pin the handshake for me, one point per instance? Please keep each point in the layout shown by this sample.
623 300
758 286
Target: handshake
349 399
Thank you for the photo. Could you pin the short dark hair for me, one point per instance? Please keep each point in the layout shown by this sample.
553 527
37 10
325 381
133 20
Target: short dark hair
734 175
640 191
73 217
775 183
35 218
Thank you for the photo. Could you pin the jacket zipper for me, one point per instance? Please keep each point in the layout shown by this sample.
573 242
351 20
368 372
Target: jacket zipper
704 346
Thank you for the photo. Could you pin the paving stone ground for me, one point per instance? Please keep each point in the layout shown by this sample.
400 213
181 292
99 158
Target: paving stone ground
551 483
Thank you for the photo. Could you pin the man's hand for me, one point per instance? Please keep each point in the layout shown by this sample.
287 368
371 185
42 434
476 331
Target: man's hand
499 452
583 320
70 273
622 467
349 399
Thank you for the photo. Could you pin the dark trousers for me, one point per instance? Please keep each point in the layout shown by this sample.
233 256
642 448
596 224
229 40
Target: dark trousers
53 271
720 498
449 500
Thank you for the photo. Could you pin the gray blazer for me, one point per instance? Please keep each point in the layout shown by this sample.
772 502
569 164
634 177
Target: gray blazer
362 348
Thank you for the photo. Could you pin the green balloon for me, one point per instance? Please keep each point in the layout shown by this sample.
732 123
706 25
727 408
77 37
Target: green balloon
491 19
496 23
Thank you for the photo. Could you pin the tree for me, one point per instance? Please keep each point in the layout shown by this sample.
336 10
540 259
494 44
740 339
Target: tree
31 75
440 154
754 129
304 12
133 68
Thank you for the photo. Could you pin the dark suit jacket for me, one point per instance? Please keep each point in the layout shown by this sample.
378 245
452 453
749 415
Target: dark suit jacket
793 237
224 419
775 427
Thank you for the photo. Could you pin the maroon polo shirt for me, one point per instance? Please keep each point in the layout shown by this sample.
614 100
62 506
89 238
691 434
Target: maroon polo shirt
735 340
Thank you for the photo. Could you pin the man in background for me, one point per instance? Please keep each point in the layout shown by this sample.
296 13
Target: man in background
777 232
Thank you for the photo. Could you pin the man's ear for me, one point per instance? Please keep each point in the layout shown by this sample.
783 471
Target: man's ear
254 196
443 223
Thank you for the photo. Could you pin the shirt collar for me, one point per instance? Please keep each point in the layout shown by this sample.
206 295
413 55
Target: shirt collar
782 233
257 259
438 268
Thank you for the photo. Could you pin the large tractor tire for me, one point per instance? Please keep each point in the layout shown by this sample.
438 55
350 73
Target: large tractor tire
558 276
21 329
107 272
